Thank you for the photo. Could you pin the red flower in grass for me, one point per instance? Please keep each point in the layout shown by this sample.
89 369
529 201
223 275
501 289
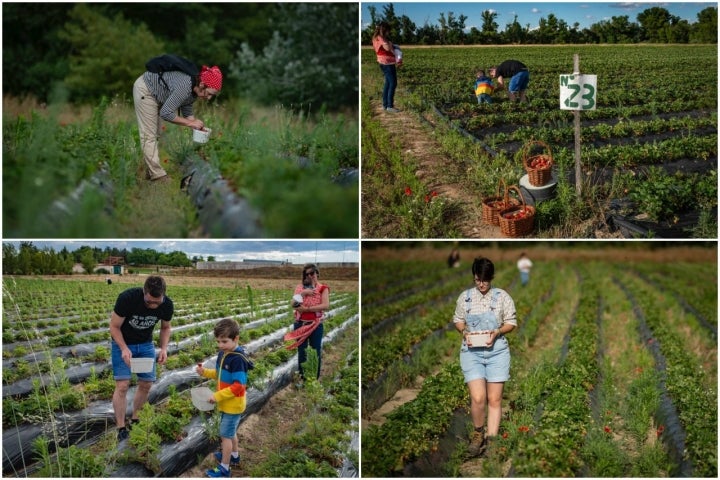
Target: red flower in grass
523 428
607 429
660 430
427 198
433 194
408 192
505 435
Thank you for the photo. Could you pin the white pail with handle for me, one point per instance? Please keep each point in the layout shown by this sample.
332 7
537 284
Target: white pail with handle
201 136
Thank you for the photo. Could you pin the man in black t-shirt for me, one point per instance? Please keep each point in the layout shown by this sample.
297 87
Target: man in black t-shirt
518 74
137 311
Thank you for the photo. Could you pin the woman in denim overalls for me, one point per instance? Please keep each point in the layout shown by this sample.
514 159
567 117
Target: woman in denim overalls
486 368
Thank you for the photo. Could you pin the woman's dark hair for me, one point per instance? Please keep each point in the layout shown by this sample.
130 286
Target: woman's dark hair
382 29
483 269
310 266
155 286
227 328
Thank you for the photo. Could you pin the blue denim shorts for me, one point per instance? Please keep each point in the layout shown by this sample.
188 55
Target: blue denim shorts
229 424
121 370
519 81
492 364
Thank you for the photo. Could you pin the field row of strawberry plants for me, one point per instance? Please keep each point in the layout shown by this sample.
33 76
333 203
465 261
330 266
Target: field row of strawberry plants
646 146
67 391
586 395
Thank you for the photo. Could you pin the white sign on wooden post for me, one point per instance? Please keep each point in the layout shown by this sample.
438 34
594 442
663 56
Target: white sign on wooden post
578 92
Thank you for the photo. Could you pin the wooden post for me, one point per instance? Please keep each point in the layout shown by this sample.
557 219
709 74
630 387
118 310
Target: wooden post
576 113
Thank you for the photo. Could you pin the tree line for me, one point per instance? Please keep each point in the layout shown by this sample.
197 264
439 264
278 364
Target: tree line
654 25
28 259
272 53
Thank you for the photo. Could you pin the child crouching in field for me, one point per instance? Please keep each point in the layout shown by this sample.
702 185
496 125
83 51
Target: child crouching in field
483 87
230 372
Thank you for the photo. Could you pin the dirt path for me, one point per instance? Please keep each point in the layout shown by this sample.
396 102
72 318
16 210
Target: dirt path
417 140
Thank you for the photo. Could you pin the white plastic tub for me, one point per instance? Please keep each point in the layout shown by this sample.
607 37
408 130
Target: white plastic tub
477 339
141 365
202 136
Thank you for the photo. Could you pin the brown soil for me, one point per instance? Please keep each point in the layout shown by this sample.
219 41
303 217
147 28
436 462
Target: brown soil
417 141
401 397
621 252
340 279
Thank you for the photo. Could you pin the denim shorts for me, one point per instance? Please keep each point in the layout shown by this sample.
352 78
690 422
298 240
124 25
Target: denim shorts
121 370
229 423
519 81
492 364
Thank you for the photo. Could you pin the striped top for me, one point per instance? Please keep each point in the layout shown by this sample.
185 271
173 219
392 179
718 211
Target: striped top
231 374
483 85
178 95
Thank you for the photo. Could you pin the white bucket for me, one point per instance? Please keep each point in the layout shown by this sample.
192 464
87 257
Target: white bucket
201 136
477 339
141 365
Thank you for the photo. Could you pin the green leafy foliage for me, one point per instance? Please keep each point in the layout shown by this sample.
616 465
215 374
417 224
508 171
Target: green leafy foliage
299 67
110 52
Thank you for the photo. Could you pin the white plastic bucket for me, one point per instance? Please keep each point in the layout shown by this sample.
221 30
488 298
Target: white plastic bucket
141 365
201 136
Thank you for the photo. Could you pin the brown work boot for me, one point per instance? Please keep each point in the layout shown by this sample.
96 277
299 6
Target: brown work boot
477 443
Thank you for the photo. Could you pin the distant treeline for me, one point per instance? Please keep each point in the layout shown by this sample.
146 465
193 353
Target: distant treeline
28 259
274 53
654 25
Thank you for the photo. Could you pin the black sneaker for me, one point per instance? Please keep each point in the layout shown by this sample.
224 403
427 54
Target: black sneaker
123 434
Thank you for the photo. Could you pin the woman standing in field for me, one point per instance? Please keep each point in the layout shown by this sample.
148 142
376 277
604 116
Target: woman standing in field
385 52
486 364
309 314
159 97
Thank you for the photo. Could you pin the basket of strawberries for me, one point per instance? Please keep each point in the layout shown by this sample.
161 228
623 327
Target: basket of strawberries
493 204
538 165
517 220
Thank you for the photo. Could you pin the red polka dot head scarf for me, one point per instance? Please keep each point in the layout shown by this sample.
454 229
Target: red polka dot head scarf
211 76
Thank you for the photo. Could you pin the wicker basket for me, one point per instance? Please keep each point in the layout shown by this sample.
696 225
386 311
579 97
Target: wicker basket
517 220
492 205
538 177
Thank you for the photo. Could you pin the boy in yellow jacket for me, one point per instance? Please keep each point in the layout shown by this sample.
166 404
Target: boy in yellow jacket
230 372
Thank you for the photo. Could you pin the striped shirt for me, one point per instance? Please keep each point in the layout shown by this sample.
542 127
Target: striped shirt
479 303
178 95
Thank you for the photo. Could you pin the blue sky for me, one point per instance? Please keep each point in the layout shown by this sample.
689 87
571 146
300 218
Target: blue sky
585 13
235 250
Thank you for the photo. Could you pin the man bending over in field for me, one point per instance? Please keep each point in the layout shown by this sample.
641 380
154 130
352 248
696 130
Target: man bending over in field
518 74
132 322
